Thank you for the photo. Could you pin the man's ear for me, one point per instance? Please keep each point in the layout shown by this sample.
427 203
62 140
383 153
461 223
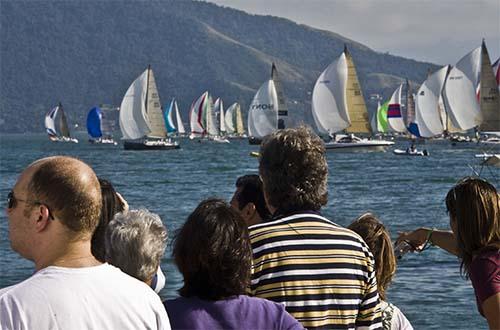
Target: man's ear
43 219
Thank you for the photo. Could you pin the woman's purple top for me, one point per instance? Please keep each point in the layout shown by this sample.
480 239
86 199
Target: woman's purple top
485 276
240 312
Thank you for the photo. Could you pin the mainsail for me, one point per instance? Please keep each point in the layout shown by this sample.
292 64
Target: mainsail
489 100
180 125
356 106
153 109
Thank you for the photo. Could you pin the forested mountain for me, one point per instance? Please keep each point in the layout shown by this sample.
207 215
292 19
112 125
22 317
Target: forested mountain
83 53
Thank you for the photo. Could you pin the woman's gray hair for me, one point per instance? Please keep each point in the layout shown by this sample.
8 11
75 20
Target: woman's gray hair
135 242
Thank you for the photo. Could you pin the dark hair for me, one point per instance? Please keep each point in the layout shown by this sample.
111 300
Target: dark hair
71 190
378 240
251 192
111 205
212 251
294 170
474 205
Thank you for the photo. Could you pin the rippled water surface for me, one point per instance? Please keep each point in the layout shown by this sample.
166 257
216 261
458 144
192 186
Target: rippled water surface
405 192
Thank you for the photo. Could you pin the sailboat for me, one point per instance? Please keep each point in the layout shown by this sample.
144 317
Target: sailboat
428 121
57 118
338 105
196 117
141 118
99 127
268 111
489 98
178 127
217 117
468 110
234 122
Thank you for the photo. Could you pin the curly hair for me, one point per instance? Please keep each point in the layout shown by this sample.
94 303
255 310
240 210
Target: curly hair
135 242
294 170
213 253
474 205
378 240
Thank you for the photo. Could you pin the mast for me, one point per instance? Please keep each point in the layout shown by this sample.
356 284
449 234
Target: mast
147 89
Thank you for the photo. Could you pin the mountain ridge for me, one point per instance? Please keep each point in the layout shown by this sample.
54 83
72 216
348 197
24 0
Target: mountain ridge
84 53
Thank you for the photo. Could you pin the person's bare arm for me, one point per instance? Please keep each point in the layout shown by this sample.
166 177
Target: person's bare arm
491 310
442 238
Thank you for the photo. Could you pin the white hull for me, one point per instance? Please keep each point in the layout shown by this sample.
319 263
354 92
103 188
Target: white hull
401 152
359 146
63 139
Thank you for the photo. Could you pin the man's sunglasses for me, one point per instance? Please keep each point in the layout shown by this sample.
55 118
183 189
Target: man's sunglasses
12 202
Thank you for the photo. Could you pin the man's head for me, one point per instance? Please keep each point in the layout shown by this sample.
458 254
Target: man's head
249 199
294 170
55 192
135 242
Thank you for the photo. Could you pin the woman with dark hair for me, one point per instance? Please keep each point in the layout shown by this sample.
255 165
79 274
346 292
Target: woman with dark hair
373 232
474 208
212 251
112 203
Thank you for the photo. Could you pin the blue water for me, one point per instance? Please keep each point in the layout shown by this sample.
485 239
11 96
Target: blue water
405 192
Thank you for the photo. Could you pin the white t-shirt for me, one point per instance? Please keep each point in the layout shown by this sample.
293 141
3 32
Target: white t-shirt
100 297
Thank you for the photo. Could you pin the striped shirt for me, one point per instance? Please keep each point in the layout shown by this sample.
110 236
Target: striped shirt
323 273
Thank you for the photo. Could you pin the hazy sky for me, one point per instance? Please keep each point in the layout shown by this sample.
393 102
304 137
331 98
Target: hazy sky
438 31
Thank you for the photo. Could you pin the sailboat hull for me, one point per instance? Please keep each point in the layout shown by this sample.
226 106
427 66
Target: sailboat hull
150 145
359 146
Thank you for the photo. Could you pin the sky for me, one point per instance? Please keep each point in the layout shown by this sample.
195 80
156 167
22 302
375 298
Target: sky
436 31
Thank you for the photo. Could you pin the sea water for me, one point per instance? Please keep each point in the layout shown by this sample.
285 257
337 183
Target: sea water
405 192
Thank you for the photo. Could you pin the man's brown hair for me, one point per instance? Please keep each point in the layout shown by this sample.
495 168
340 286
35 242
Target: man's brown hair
294 170
70 190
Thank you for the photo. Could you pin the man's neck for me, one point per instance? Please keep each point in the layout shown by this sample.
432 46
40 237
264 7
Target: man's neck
76 254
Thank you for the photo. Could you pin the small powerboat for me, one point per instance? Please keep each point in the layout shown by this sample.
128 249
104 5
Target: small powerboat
410 152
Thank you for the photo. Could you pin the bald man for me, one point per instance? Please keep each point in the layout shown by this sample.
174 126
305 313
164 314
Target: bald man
53 209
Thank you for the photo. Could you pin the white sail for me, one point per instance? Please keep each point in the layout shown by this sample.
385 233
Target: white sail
229 118
222 122
196 115
329 107
263 112
180 125
210 117
50 125
427 113
395 119
133 122
459 93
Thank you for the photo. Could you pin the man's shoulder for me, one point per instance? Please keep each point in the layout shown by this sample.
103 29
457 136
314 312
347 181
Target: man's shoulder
304 221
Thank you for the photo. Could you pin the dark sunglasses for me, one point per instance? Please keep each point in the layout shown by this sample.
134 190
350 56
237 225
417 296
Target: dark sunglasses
12 202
